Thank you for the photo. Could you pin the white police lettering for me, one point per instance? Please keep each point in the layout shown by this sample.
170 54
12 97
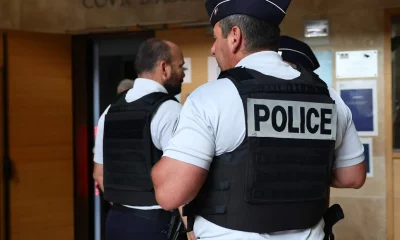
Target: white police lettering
291 119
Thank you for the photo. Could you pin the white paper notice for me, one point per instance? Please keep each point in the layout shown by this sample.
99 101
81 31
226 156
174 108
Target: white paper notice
188 71
213 69
357 64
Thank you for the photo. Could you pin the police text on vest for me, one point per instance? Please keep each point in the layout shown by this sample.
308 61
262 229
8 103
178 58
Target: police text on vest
291 119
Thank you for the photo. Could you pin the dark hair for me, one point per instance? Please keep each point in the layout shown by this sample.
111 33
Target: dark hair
151 52
258 34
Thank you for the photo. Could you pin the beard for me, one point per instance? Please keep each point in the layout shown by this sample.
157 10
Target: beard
174 85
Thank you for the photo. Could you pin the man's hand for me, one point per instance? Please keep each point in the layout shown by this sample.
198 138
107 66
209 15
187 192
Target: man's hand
191 236
176 183
98 175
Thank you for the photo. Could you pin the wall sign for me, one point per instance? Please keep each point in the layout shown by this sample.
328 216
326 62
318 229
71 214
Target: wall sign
367 143
361 98
357 64
316 28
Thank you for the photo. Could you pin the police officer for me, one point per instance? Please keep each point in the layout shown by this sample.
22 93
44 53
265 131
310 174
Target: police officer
132 133
255 152
294 51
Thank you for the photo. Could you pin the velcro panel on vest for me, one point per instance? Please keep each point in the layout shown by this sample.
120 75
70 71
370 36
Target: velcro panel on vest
278 174
125 141
129 152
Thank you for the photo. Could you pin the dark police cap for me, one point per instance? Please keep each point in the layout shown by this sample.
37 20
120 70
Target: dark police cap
295 51
271 11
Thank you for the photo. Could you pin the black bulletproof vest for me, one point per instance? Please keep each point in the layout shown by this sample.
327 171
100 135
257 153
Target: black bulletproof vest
128 150
278 178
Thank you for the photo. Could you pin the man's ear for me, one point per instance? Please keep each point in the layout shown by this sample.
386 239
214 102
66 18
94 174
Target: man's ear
166 70
235 39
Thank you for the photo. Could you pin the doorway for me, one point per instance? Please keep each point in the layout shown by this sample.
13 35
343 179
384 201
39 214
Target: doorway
3 180
395 48
392 121
100 62
113 62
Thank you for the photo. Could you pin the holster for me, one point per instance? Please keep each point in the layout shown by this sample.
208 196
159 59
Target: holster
333 215
177 229
189 212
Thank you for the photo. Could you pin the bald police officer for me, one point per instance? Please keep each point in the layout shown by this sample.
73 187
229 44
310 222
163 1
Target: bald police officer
255 152
132 133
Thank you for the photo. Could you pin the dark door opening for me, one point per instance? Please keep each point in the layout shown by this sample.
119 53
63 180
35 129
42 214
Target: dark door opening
113 62
100 62
395 82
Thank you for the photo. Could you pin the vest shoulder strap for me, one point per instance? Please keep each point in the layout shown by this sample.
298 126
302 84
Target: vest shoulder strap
251 81
149 102
155 99
237 73
120 98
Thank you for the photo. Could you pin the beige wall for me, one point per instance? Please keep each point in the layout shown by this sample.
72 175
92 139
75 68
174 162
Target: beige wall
68 15
197 47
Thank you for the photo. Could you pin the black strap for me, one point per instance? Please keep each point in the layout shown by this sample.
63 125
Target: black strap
157 98
213 210
154 97
333 215
221 186
240 78
238 73
122 94
189 211
190 223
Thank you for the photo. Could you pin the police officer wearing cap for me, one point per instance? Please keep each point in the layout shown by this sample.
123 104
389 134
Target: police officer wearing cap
255 152
132 133
294 51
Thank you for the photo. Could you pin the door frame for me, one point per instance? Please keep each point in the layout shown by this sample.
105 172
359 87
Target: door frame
390 154
5 161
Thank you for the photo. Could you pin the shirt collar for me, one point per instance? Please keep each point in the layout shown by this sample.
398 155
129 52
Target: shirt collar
148 85
269 63
260 59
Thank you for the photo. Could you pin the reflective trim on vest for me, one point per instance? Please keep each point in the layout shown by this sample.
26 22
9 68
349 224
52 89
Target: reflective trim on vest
291 119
